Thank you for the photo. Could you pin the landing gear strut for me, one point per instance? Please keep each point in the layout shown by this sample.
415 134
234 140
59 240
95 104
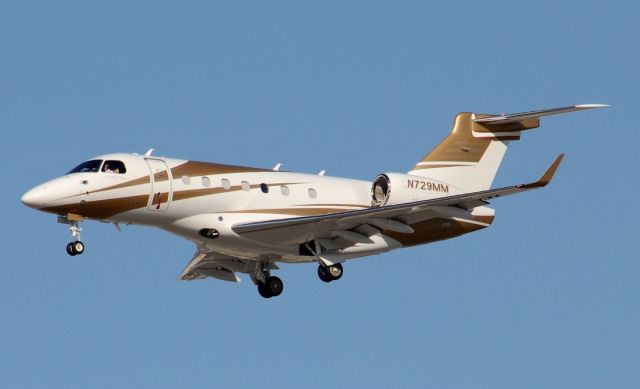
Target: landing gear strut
75 247
268 285
330 273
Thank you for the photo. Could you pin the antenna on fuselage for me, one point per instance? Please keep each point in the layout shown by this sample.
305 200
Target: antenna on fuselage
149 152
277 167
322 172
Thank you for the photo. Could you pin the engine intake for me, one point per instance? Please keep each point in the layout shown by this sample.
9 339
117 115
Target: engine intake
380 190
396 188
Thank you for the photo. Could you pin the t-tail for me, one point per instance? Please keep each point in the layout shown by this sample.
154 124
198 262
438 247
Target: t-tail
469 157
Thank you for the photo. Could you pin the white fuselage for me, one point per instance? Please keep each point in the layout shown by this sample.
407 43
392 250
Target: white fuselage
185 197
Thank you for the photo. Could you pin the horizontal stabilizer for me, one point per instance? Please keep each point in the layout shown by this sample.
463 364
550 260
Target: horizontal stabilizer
517 117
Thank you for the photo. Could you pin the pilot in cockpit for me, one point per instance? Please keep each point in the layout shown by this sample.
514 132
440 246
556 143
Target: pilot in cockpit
97 165
107 169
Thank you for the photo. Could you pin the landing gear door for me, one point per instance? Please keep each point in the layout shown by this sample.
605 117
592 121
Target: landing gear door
161 194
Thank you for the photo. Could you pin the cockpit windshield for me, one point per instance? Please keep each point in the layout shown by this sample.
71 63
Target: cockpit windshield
92 166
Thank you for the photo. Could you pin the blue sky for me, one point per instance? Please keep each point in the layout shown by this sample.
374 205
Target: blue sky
546 297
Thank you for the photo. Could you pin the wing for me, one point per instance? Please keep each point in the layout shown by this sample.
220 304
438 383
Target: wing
303 229
206 263
210 264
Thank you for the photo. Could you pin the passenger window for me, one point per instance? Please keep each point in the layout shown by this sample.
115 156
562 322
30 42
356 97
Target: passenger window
206 182
226 184
312 193
245 185
114 167
264 188
284 190
186 180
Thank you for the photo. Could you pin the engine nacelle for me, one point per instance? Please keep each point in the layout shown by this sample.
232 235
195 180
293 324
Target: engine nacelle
396 188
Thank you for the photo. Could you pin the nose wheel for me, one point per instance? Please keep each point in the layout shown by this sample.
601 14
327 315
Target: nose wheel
75 247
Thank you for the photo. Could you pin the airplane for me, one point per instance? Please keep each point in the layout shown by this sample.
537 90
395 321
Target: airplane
247 220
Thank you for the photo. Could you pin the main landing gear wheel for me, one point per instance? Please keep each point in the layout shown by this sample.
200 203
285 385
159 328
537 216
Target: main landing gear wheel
272 287
323 273
330 273
75 248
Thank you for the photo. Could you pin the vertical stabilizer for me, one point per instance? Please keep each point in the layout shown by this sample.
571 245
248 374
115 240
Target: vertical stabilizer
469 157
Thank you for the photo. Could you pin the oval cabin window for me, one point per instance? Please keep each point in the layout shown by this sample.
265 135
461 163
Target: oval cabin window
264 188
206 182
285 190
225 183
186 180
312 193
245 185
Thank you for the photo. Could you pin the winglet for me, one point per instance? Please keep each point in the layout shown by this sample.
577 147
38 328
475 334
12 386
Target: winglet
547 176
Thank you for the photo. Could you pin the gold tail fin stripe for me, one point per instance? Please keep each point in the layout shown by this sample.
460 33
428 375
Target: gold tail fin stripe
471 136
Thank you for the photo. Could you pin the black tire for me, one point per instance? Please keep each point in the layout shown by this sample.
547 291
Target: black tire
335 271
70 250
324 275
275 286
78 247
264 291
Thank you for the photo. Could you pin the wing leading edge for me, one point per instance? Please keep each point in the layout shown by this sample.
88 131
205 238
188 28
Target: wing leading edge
266 230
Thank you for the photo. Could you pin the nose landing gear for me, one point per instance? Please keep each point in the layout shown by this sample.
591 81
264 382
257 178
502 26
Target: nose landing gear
75 247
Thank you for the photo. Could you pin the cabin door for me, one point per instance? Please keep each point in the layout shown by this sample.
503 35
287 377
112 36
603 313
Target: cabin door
161 194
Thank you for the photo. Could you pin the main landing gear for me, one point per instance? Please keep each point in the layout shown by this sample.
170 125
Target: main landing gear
75 247
330 273
268 285
272 287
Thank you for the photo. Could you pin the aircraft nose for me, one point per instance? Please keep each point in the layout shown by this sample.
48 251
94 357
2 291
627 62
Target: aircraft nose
34 198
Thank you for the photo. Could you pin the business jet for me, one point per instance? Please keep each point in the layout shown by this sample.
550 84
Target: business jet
247 220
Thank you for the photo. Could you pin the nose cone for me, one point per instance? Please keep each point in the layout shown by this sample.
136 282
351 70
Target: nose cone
50 194
35 198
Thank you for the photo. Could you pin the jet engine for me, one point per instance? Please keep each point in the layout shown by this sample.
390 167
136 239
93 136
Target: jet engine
396 188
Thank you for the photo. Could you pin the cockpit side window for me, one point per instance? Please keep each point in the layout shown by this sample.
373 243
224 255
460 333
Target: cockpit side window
92 166
114 167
